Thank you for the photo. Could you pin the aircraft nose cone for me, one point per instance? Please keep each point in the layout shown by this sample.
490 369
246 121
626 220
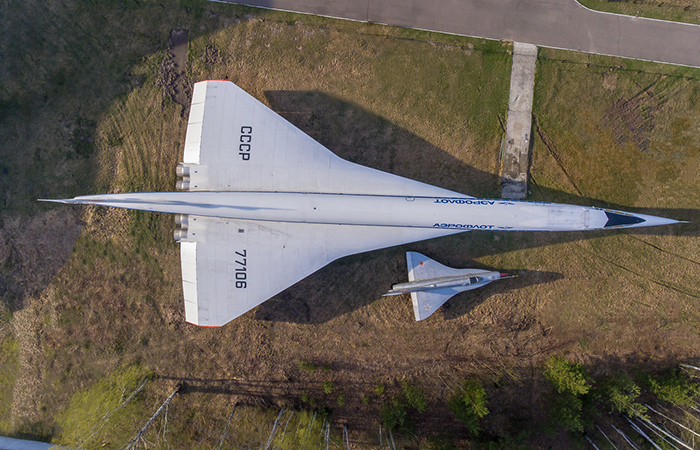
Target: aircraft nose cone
619 219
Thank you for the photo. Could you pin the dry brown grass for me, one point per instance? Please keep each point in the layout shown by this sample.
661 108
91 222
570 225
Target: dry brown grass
419 105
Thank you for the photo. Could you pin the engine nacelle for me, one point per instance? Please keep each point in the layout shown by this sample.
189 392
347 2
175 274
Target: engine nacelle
182 185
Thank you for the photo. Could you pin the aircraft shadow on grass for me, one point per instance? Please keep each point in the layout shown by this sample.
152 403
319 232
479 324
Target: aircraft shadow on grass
353 282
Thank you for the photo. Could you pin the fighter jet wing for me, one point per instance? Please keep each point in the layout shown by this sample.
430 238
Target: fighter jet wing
231 266
236 143
426 303
420 267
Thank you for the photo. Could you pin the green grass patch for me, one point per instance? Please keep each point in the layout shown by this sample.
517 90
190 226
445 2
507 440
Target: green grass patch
304 429
100 414
9 367
675 10
305 366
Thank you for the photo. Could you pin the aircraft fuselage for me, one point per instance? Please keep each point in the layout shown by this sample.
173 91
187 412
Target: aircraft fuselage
461 213
470 281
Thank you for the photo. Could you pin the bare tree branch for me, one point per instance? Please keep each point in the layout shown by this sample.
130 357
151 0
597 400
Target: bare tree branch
643 434
274 428
606 437
134 442
624 436
677 423
591 442
658 434
108 415
347 437
223 436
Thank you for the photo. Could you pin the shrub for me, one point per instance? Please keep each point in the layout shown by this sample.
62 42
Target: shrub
468 404
393 413
305 429
572 384
567 412
379 390
414 396
101 405
567 376
619 392
673 387
328 387
307 367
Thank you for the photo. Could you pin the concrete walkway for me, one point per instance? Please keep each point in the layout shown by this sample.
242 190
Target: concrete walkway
561 24
7 443
516 153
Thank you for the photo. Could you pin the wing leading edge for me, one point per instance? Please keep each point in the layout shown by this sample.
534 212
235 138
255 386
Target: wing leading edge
236 143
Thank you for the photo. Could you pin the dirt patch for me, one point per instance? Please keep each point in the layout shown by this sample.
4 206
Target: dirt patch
633 119
173 70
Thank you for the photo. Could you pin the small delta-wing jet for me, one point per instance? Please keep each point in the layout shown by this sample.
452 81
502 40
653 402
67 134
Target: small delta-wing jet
431 284
265 206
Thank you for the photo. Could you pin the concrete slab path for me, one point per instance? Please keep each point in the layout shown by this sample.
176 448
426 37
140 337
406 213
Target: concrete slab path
516 152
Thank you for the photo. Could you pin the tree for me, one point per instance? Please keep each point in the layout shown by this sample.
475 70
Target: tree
567 412
398 410
673 387
567 377
619 392
468 404
572 384
393 413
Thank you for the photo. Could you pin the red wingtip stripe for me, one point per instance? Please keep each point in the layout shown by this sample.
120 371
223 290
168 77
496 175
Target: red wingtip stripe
203 326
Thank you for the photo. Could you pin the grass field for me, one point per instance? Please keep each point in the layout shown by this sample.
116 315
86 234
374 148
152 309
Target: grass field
676 10
427 106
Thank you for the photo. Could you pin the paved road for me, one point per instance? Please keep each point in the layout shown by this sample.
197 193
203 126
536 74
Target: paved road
549 23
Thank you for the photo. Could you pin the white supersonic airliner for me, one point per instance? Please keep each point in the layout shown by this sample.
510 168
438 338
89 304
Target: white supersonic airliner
264 205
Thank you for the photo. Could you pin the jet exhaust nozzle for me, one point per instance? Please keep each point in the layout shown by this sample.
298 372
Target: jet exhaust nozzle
179 235
182 171
182 221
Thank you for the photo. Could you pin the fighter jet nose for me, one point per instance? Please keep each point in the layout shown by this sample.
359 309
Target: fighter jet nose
619 219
